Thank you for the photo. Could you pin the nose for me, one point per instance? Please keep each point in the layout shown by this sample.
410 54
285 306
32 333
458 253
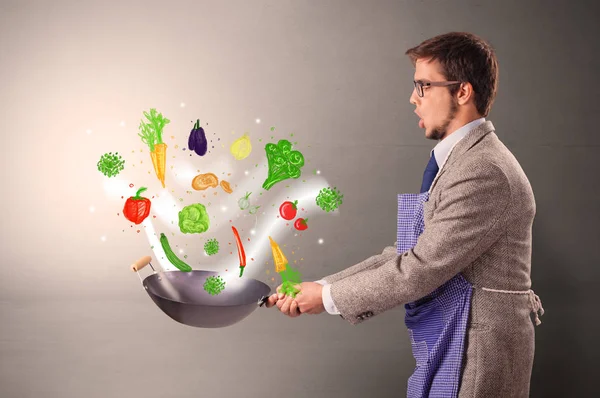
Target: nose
413 97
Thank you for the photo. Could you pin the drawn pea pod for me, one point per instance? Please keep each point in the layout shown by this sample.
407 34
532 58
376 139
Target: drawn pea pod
173 259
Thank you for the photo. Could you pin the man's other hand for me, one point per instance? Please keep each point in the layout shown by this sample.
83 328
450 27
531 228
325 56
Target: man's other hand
286 304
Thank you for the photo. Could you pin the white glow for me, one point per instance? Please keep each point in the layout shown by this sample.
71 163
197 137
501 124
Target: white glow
185 173
122 123
166 207
88 131
103 238
182 105
116 187
180 251
320 241
257 120
318 171
92 209
273 227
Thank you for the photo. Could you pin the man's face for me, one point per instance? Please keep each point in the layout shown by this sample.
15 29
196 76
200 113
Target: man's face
437 108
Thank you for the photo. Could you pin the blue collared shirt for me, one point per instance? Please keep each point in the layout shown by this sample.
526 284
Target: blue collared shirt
442 149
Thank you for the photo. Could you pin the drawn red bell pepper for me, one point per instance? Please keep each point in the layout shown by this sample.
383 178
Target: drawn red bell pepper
137 207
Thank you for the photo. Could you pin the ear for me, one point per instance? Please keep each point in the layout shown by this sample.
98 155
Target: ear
465 93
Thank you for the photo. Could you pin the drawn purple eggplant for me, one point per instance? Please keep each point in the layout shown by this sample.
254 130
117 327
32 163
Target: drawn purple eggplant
197 141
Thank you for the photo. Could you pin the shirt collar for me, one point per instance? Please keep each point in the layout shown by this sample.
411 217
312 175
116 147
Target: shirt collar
442 149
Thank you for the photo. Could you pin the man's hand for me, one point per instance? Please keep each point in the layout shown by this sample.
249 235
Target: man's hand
286 304
309 300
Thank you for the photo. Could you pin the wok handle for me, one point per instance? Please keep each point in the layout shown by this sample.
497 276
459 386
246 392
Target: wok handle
263 300
141 263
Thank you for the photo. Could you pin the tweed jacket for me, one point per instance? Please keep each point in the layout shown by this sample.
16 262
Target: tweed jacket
478 222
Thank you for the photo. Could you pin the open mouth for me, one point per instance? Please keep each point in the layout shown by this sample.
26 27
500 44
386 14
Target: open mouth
421 122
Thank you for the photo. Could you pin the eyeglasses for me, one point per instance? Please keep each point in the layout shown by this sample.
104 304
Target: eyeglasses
420 84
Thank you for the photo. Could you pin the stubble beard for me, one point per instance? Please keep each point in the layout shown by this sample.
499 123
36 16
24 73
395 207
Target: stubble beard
439 132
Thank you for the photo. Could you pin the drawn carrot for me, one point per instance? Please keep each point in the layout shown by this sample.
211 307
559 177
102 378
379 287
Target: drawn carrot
159 160
151 134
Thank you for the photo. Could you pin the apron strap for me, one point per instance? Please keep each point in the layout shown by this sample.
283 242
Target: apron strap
534 301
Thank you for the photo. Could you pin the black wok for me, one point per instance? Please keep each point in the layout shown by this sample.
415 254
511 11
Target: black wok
182 297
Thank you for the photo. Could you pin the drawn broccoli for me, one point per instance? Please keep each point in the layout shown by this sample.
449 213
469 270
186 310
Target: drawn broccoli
290 279
110 164
214 285
329 199
211 247
283 163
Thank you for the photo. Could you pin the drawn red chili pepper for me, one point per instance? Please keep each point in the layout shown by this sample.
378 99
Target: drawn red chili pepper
136 207
241 253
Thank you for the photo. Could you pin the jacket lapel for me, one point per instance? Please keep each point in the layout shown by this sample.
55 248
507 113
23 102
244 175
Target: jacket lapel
467 142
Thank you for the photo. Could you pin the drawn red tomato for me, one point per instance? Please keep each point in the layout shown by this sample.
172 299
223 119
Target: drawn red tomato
301 224
288 210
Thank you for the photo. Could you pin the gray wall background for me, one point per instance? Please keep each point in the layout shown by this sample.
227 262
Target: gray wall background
74 321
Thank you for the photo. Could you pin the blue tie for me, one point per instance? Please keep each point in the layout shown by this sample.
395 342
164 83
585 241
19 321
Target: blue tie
430 173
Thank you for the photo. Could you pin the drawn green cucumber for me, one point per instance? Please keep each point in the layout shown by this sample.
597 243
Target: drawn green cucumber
171 256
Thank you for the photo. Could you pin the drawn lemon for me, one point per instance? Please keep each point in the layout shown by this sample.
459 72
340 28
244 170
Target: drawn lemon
241 148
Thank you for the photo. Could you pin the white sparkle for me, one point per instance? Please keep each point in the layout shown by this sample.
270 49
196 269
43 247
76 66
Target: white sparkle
180 251
103 238
182 105
257 120
88 131
223 208
253 232
320 241
92 209
122 123
318 171
246 172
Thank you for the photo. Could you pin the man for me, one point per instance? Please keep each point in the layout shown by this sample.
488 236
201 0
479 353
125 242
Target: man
462 263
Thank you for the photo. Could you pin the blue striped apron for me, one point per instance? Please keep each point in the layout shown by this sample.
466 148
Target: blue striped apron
436 323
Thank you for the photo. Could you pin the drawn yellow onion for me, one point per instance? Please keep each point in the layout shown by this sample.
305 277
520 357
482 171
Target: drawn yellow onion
241 148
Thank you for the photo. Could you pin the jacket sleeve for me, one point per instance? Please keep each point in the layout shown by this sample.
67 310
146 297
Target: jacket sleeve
466 222
372 262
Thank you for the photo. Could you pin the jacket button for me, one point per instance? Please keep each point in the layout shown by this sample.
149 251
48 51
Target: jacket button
361 317
368 314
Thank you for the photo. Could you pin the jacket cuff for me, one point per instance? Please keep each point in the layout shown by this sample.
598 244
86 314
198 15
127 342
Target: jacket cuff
353 318
328 301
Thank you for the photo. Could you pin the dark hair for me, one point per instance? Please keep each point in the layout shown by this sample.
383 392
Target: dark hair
464 57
